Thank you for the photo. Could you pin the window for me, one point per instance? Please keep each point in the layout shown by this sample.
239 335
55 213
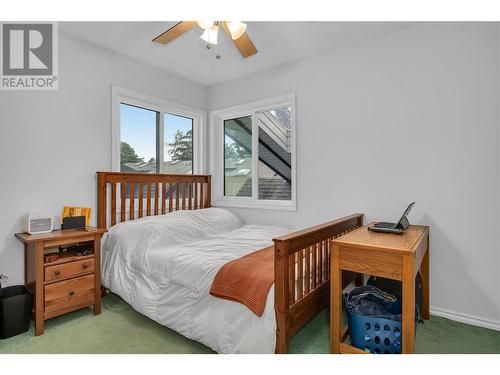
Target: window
254 146
138 139
154 136
275 154
238 157
178 152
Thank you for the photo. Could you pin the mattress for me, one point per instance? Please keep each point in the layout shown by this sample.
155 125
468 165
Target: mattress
163 266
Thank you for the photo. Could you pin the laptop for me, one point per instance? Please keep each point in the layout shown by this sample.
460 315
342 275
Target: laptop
398 227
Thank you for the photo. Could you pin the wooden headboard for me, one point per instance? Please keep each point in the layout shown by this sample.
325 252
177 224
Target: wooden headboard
153 194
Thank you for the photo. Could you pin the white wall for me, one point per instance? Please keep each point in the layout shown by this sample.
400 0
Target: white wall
53 142
410 115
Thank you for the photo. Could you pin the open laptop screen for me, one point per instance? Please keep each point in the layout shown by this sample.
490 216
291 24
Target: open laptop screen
407 211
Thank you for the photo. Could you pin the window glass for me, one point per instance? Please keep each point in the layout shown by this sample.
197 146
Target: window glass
137 139
275 154
238 157
178 145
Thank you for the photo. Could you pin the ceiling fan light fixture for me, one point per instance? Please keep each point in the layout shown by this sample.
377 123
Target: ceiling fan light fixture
205 24
236 28
210 35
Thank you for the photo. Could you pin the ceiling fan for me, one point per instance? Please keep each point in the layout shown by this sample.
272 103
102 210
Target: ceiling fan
235 29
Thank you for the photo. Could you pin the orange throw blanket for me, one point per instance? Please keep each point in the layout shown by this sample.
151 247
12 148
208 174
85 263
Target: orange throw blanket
247 280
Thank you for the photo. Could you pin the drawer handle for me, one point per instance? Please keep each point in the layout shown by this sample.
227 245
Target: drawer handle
71 292
57 272
85 266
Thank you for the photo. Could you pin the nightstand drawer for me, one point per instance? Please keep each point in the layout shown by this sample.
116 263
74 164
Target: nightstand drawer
66 294
63 271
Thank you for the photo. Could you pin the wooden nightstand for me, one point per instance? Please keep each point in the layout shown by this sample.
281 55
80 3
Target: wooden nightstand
67 284
394 256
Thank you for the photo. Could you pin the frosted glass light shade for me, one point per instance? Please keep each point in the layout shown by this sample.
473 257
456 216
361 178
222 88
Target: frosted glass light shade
236 28
210 35
205 24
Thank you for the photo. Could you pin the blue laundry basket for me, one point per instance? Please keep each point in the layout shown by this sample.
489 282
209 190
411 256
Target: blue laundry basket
375 335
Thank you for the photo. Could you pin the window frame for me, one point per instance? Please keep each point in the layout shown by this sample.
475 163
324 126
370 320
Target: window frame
217 163
125 96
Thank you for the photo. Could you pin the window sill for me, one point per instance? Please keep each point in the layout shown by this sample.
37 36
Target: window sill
260 204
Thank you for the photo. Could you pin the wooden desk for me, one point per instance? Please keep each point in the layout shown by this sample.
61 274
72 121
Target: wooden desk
67 284
393 256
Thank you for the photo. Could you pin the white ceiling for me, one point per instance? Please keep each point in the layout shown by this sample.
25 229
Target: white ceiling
187 56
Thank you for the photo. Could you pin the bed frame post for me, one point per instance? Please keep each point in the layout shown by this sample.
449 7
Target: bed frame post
281 275
101 200
209 191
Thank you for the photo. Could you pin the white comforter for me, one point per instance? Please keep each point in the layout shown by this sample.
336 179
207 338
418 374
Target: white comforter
164 267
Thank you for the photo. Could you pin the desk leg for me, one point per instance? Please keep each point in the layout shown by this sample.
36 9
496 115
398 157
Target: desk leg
424 269
335 299
408 331
39 298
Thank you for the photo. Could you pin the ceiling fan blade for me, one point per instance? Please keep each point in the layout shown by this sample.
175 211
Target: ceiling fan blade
175 31
243 43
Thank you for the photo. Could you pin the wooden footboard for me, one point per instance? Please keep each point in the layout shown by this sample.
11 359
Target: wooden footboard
302 275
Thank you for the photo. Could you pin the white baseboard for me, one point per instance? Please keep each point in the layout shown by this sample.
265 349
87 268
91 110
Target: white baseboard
467 319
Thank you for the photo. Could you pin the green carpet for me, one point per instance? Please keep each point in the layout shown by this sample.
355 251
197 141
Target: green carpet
120 329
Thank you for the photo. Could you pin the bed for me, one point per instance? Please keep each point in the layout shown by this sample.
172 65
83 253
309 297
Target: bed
165 246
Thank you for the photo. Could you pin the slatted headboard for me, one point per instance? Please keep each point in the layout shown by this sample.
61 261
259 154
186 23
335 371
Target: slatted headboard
153 194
